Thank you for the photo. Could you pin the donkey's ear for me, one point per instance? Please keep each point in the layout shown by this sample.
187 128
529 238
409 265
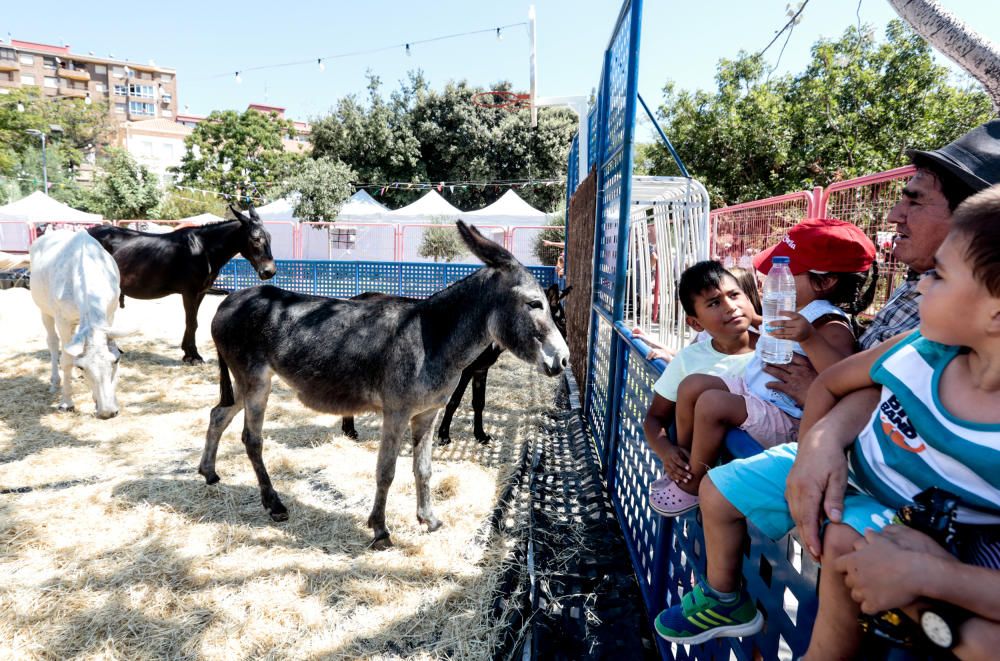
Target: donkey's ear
552 293
490 252
238 215
253 213
565 292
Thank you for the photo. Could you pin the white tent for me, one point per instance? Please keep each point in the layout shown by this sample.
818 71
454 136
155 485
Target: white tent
40 208
428 209
510 209
200 219
362 208
43 211
277 210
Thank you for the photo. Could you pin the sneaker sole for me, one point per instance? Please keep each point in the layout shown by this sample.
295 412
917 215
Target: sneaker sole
731 631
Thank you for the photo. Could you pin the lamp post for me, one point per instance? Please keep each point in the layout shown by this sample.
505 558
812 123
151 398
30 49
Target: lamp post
54 128
45 172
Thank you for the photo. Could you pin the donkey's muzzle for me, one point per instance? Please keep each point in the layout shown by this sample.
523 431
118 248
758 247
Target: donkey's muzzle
267 272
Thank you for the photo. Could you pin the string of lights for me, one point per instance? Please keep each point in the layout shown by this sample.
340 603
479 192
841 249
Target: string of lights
407 46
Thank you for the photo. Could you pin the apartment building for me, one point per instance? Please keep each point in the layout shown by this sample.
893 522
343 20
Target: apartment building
131 91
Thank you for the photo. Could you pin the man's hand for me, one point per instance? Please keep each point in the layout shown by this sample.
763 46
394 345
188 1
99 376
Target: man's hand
882 574
794 378
815 486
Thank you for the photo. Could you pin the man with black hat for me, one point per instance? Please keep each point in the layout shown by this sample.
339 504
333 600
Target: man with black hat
944 179
815 487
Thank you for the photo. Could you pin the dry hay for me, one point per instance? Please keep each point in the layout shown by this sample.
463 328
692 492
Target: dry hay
111 545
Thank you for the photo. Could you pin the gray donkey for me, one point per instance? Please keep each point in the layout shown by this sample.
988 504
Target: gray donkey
401 357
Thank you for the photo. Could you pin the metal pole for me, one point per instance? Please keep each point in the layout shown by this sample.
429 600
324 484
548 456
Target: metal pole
45 172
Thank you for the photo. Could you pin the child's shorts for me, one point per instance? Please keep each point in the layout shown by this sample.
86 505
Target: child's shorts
768 424
756 487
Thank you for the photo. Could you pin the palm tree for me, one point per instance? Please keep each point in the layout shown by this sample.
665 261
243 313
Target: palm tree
956 40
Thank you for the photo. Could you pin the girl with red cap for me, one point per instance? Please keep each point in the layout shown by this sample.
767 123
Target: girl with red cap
830 261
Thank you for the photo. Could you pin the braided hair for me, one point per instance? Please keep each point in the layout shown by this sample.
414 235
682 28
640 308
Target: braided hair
848 292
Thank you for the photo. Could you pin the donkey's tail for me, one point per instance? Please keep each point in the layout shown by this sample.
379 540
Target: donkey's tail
226 397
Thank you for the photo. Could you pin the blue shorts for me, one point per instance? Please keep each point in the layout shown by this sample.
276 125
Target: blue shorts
756 487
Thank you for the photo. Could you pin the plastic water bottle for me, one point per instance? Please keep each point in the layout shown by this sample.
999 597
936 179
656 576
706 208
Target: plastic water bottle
778 294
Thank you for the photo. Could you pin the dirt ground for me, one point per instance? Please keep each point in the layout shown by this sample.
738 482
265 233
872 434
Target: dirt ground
112 546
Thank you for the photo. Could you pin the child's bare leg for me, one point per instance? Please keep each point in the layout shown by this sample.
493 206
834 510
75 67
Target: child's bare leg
725 527
716 412
688 393
836 634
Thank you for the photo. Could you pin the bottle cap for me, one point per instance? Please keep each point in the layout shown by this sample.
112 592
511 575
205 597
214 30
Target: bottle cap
779 260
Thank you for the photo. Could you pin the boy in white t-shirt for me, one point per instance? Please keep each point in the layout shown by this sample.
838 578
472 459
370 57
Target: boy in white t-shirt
714 303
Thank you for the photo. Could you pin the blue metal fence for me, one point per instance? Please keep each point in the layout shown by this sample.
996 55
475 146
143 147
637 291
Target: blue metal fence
346 279
667 554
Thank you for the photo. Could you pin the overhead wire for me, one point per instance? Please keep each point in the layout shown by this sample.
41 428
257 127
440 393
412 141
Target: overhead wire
407 45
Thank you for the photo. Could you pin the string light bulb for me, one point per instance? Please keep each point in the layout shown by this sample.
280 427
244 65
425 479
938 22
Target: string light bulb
319 63
499 35
408 52
238 79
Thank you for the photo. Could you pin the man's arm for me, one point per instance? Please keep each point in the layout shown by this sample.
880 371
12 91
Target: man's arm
819 475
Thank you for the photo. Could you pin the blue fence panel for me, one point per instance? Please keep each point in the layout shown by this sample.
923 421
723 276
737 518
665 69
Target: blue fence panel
572 170
598 402
336 279
634 466
346 279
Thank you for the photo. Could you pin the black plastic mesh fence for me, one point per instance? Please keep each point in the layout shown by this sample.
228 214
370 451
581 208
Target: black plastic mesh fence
569 592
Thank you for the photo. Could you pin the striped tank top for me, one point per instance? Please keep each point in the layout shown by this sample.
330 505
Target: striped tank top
912 443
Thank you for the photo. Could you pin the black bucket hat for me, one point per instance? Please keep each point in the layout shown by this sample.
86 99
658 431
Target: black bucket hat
974 158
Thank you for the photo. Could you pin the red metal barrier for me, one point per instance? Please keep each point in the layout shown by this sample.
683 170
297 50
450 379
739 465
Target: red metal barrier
742 230
866 202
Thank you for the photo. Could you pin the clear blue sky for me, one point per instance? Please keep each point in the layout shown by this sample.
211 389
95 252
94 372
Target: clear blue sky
681 41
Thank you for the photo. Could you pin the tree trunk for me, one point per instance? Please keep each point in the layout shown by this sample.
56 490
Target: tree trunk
956 40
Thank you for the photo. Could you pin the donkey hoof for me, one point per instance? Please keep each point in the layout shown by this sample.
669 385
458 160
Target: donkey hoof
432 522
351 434
65 408
483 438
278 511
380 542
443 440
193 360
211 477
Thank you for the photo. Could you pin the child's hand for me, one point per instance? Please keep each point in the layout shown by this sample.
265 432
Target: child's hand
795 328
676 464
665 354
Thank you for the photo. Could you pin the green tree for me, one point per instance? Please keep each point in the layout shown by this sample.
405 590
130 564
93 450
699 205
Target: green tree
125 189
374 137
180 203
442 242
556 233
419 134
320 188
83 129
854 110
238 154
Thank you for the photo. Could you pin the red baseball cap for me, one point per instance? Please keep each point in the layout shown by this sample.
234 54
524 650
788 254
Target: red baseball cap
821 244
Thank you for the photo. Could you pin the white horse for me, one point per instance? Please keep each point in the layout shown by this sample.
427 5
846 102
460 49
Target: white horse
75 284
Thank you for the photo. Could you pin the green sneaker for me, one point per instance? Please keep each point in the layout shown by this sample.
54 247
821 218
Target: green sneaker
700 617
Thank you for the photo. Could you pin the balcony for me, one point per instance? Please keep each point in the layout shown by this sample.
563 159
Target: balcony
69 91
7 65
166 98
74 74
